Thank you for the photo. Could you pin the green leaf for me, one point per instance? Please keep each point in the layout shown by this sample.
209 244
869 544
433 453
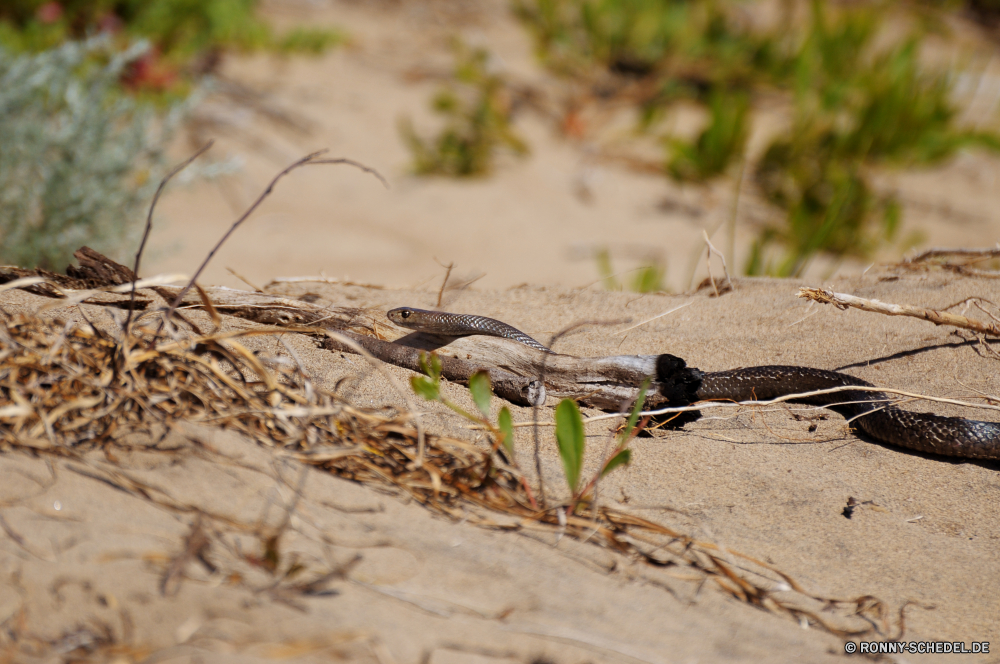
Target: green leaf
479 385
622 458
430 364
634 415
571 439
506 426
426 387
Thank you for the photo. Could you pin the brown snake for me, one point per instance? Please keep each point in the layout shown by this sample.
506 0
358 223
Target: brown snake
872 412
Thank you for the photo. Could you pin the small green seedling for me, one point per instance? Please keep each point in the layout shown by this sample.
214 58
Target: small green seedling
571 439
429 387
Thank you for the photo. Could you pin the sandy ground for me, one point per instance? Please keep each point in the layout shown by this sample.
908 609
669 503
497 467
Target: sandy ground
429 589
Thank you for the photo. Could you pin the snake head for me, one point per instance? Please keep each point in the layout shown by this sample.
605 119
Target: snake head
400 315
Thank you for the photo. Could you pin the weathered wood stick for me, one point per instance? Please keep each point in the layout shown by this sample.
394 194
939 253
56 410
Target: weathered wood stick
516 370
516 389
843 301
518 373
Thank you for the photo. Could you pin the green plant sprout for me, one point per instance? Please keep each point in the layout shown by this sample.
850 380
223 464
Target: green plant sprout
502 433
572 442
477 114
570 434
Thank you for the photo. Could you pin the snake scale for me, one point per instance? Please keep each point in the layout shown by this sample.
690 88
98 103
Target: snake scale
925 432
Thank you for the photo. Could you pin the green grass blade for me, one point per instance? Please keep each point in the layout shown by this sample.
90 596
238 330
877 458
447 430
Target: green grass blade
571 439
634 415
482 393
622 458
506 425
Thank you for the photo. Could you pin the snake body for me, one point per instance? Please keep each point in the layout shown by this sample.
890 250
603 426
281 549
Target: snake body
868 410
459 325
925 432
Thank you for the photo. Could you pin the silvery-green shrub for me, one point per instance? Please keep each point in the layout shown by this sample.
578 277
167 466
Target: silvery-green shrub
79 157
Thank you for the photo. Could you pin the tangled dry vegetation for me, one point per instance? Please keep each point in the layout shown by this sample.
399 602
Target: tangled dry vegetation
67 387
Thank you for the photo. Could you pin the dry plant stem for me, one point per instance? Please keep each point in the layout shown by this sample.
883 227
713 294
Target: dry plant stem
792 397
322 279
706 405
731 249
939 252
710 249
309 160
650 320
239 276
444 283
357 348
843 301
513 388
149 219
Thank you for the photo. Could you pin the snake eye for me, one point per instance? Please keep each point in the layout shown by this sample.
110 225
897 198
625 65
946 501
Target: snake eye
404 314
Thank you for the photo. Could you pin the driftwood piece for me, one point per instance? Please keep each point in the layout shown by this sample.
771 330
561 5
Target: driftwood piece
268 309
843 301
515 369
518 373
601 382
98 270
516 389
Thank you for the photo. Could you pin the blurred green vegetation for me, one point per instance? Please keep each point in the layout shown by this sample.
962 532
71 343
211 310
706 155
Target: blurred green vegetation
90 92
648 278
80 158
476 107
180 29
859 100
718 144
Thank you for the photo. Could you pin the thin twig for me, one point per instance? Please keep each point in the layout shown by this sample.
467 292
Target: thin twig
708 263
706 405
149 220
843 301
940 252
357 348
650 320
244 280
448 268
309 160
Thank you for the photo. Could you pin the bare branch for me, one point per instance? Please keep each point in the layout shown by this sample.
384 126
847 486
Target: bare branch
308 160
149 219
843 301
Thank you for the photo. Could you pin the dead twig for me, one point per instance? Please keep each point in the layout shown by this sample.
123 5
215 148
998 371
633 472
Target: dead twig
939 257
448 268
149 219
939 252
843 301
710 249
309 160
